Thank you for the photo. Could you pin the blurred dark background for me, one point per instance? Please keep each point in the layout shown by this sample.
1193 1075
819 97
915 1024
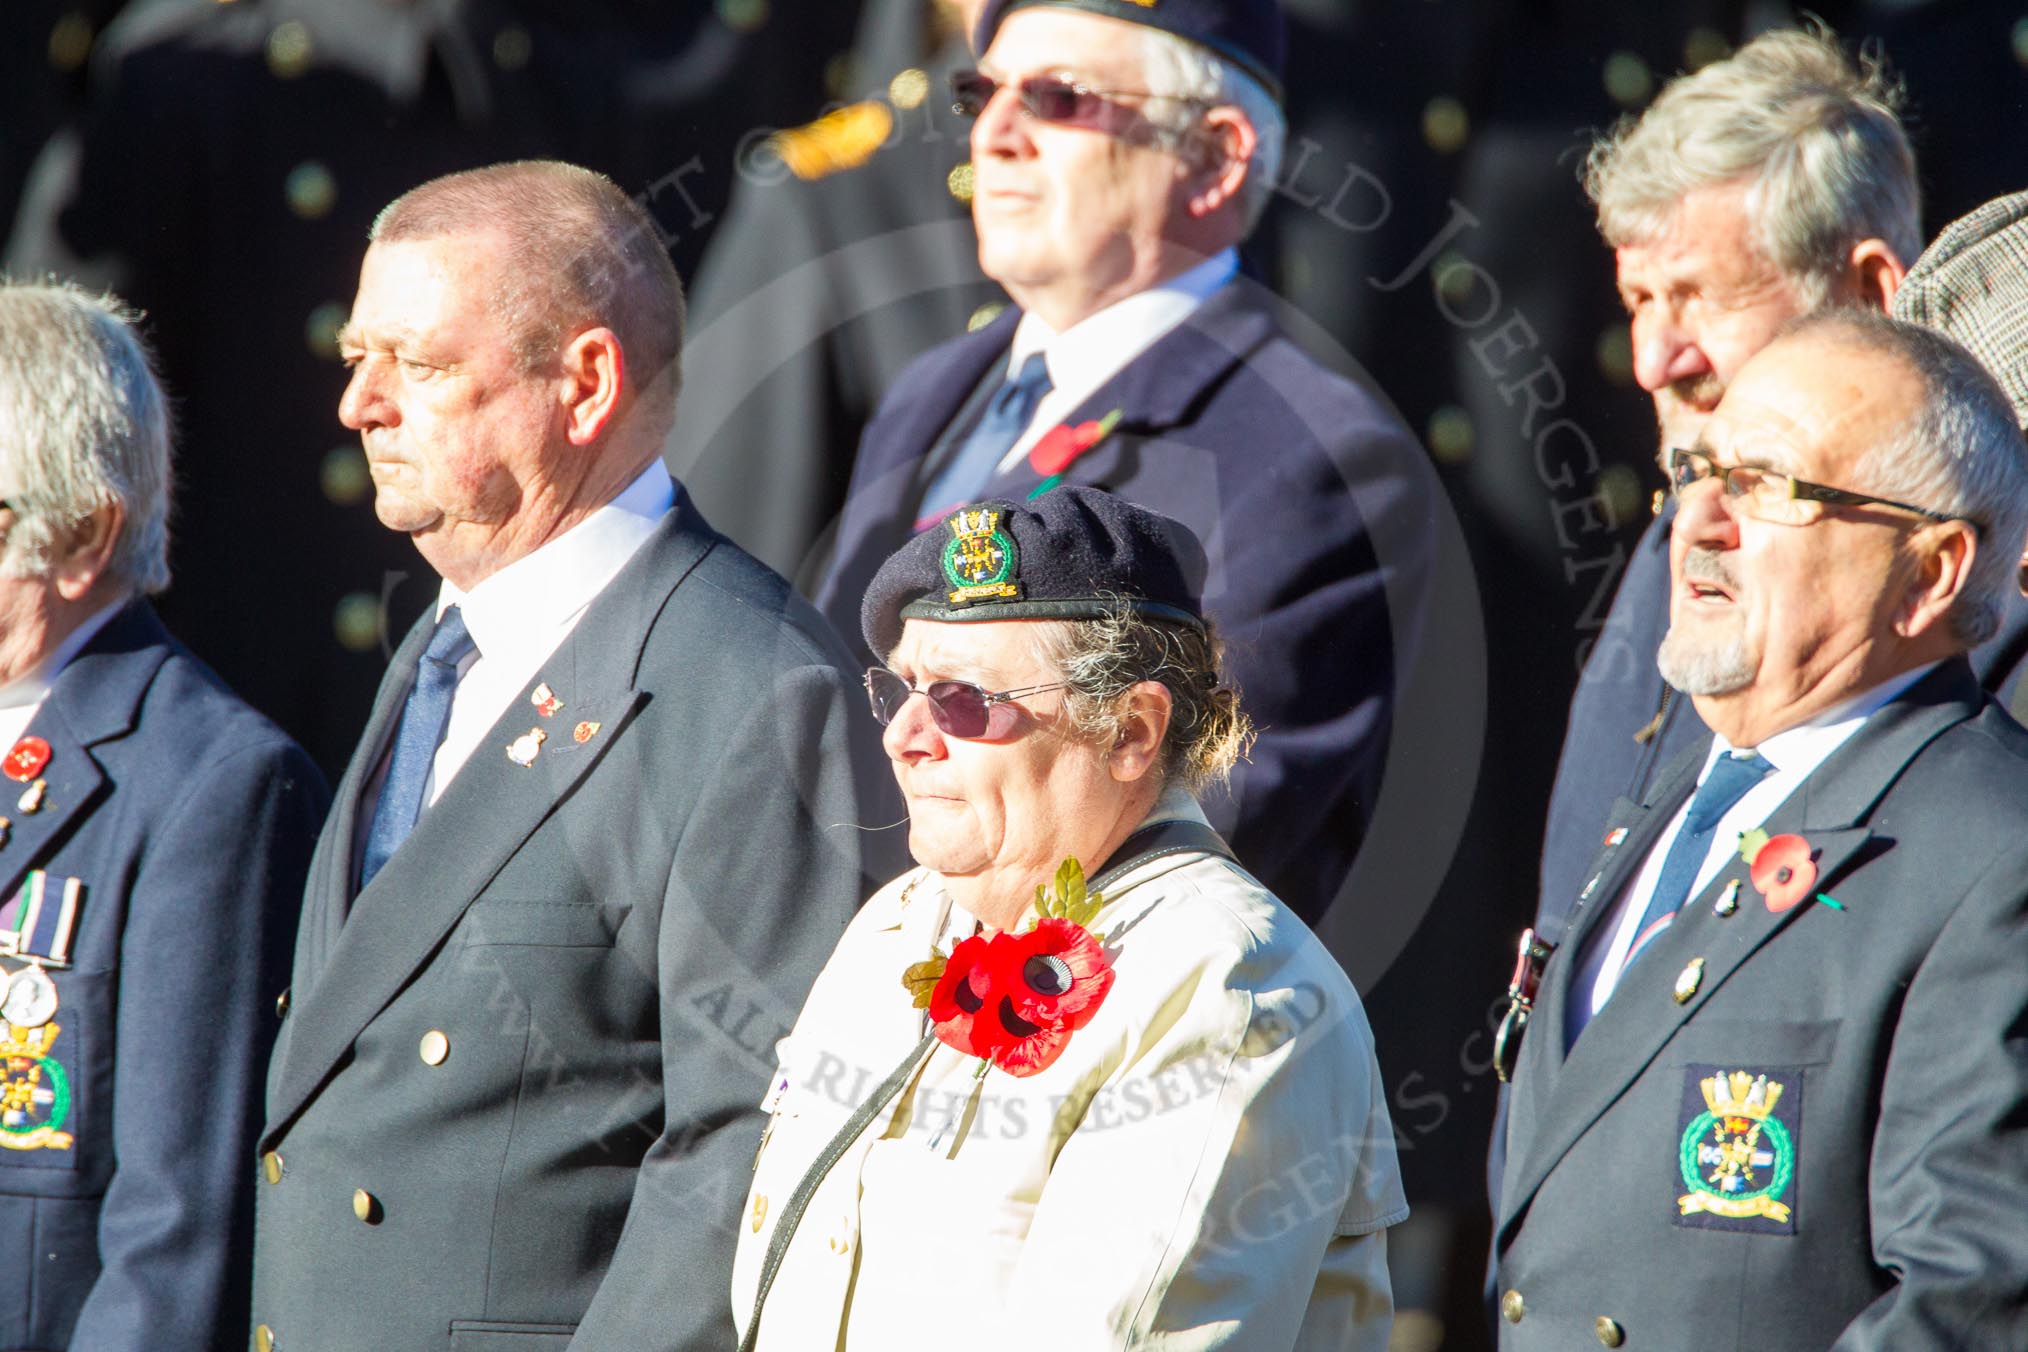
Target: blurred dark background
218 165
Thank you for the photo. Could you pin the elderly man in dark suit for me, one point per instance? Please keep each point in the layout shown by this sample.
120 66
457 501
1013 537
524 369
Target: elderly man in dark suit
152 854
1119 155
600 832
1774 1093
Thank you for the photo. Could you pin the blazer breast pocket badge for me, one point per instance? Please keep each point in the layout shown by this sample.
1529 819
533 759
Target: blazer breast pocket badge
1739 1131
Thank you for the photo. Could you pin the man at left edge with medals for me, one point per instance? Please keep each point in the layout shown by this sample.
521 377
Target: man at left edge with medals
154 836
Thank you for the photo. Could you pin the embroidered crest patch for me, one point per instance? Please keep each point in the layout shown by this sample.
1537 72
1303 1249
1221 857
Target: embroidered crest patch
34 1091
979 561
1737 1150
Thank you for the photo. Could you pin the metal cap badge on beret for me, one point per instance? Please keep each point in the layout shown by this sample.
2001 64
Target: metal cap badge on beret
1971 284
1074 553
1248 33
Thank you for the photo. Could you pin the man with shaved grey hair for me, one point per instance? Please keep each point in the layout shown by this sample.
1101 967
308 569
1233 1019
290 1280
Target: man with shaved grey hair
154 834
600 831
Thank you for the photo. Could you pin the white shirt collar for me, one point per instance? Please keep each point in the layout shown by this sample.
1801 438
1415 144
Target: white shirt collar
1804 747
1117 334
520 608
31 687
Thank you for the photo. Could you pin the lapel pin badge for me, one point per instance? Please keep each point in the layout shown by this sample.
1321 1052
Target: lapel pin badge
523 749
32 796
544 699
26 759
584 732
1728 900
1688 980
1615 836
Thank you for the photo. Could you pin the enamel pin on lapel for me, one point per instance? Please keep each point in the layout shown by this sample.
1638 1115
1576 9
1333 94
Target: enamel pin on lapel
584 732
544 699
1728 900
24 762
523 749
1688 980
26 759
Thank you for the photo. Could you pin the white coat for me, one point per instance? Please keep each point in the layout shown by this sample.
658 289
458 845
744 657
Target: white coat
1208 1164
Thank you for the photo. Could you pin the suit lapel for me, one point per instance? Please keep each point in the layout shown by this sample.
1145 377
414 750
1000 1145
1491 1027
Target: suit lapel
493 805
1156 391
328 893
1828 810
922 424
93 699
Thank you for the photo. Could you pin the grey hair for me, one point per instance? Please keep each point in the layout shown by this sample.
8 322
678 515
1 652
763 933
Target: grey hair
1103 658
579 252
1817 139
1184 70
84 425
1960 453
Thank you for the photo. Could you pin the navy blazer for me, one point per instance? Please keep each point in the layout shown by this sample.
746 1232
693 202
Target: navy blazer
1317 509
189 821
1878 1175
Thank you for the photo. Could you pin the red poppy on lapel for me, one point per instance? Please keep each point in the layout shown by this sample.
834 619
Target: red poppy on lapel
1060 445
1783 871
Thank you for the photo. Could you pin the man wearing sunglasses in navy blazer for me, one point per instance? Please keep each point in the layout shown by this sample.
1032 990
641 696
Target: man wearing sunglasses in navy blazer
1120 154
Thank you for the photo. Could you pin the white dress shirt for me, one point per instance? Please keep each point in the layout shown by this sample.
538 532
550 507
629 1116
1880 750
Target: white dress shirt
522 614
1092 351
22 697
1794 753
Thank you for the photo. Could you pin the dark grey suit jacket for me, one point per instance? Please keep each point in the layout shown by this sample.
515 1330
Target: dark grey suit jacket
516 1100
1895 1024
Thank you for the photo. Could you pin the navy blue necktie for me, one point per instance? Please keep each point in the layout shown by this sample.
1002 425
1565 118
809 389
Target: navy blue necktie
1730 778
423 719
965 475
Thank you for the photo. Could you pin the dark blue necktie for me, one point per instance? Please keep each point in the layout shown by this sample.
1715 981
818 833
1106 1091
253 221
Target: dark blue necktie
1730 778
423 719
965 475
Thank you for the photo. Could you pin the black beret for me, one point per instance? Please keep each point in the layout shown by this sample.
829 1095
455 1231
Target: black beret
1248 33
1074 553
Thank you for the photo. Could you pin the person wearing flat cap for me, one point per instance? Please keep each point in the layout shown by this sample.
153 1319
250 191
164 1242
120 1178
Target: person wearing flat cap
1121 151
1077 1079
1971 284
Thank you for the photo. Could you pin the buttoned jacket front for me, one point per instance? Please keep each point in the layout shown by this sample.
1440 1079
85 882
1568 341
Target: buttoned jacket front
1876 1022
513 1105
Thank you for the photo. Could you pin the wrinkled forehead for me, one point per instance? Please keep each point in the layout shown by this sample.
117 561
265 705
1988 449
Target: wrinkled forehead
409 288
1811 405
1042 40
997 654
